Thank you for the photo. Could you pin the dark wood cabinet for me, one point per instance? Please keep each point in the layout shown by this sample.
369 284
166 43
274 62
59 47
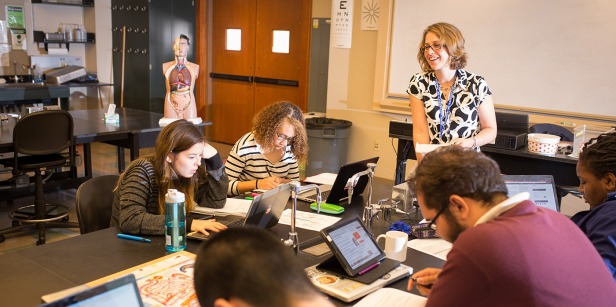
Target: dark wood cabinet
150 28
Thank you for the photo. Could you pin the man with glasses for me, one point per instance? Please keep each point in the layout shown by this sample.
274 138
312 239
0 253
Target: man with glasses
506 251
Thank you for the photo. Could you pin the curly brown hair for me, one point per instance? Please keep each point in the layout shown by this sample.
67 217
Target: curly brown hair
453 41
265 125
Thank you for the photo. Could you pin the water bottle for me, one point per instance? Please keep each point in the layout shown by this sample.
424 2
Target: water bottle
175 221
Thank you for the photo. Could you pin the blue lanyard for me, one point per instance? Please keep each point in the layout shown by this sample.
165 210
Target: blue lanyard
444 117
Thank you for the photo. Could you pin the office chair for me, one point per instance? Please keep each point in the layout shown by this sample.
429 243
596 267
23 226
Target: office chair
39 140
565 134
94 202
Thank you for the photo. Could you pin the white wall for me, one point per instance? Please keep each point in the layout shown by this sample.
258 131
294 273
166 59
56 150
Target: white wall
350 92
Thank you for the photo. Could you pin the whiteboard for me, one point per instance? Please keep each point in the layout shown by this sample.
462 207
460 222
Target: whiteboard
554 55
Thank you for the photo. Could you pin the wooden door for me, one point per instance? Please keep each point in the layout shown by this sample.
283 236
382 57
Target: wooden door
246 80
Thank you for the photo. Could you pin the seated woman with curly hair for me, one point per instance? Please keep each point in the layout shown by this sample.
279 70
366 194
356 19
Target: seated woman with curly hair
268 155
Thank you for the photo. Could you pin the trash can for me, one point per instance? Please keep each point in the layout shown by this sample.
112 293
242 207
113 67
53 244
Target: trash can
328 142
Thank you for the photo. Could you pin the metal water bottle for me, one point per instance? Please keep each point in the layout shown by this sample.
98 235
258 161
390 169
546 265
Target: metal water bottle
175 221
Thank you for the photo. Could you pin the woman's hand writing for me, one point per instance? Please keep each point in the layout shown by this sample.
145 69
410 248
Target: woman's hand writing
271 182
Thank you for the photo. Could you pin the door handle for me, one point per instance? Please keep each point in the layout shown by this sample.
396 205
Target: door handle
277 81
214 75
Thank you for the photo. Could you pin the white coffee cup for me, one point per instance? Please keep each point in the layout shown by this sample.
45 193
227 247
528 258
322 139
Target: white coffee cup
395 244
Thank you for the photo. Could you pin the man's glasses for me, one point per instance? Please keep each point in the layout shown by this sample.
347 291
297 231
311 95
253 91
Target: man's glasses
282 137
435 47
432 224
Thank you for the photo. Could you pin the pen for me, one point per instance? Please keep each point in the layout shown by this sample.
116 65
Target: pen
249 198
369 268
135 238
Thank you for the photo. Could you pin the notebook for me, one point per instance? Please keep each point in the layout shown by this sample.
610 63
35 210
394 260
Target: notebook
264 212
359 265
336 193
121 292
542 189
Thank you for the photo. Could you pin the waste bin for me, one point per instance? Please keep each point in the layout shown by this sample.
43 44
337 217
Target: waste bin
328 141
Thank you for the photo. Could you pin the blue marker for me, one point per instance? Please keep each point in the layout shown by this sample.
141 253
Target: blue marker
135 238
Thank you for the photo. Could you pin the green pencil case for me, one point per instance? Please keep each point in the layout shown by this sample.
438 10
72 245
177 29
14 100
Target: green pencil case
328 208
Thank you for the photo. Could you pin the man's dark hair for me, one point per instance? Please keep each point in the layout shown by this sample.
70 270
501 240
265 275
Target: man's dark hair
455 170
250 264
599 155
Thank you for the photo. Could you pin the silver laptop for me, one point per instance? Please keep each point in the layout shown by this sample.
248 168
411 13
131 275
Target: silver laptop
337 193
121 292
542 189
264 212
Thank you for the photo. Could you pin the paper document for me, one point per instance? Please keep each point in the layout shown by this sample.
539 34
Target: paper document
392 297
436 247
426 148
323 178
308 220
233 206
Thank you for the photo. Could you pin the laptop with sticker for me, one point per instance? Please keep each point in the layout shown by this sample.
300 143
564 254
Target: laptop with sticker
337 193
264 212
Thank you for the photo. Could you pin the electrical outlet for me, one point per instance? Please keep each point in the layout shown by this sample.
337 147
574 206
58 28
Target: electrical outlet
376 146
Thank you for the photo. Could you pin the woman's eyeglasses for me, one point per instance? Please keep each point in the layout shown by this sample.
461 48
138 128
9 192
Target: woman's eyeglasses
282 137
435 47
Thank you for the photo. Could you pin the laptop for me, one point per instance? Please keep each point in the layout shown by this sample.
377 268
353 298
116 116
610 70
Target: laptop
542 189
121 292
264 212
336 193
359 265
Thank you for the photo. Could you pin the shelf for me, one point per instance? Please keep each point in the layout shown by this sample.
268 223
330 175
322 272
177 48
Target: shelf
39 37
86 3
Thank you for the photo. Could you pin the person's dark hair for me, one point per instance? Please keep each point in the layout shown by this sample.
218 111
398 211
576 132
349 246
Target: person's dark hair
451 38
599 155
176 137
183 36
268 120
250 264
455 170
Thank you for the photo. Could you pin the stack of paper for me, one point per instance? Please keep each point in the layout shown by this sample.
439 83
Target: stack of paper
234 206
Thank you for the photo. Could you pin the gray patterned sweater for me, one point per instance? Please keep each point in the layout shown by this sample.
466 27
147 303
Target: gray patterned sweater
135 205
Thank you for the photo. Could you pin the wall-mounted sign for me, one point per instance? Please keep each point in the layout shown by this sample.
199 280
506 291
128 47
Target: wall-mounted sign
15 16
342 23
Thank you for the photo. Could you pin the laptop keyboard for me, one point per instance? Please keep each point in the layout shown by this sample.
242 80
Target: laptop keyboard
324 196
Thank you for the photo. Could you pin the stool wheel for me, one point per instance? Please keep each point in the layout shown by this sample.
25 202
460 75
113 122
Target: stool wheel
15 223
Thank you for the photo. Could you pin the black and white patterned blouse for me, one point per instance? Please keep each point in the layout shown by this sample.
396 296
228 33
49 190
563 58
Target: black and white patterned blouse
462 120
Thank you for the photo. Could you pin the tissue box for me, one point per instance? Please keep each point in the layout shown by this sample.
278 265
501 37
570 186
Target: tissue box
112 119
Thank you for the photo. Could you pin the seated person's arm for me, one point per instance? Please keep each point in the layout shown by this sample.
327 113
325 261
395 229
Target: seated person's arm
234 167
212 191
138 209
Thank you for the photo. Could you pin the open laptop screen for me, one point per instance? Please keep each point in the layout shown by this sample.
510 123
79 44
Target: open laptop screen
118 292
541 188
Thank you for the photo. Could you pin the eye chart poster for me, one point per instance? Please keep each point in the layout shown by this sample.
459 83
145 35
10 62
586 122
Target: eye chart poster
342 23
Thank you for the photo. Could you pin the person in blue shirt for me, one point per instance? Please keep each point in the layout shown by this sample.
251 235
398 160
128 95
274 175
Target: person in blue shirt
596 169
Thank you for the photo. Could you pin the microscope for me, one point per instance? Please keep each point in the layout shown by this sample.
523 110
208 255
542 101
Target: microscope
296 188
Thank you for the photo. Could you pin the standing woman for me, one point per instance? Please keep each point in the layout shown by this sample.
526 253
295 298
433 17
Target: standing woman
182 161
449 105
268 155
